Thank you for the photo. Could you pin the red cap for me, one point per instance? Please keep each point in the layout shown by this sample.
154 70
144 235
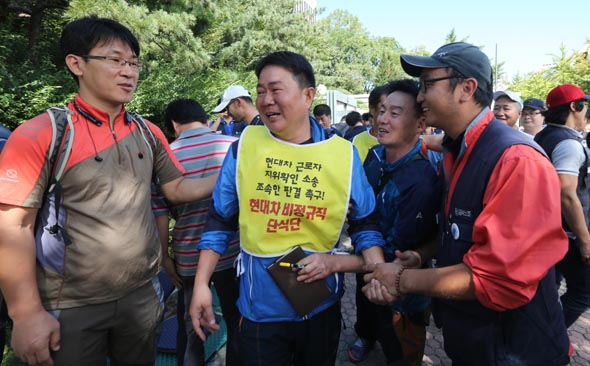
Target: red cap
564 94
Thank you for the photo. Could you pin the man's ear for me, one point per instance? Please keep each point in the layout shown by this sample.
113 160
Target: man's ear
309 93
74 63
421 125
573 107
467 88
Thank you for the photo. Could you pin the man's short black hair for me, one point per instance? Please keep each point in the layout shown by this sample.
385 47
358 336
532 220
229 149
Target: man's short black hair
375 95
483 95
184 111
322 110
559 114
352 118
80 36
407 86
247 99
366 116
294 62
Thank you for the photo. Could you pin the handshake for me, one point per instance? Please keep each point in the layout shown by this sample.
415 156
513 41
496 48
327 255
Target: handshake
383 283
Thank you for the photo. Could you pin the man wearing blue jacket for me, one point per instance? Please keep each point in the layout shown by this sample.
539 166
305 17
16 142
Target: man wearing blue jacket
408 196
285 184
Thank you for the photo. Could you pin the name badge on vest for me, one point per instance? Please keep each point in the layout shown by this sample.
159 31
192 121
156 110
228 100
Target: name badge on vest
455 231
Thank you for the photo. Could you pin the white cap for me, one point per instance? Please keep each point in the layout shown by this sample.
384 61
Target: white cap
510 95
231 93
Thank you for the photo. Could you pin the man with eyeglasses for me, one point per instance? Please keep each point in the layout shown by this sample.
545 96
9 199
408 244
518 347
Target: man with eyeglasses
567 105
73 302
532 119
494 285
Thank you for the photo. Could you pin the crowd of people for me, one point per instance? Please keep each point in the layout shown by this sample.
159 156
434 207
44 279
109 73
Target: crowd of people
476 225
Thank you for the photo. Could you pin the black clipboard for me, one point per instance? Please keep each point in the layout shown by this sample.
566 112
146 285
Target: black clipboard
304 297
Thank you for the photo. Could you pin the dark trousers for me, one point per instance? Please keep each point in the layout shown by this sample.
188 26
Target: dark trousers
226 285
576 299
375 323
312 342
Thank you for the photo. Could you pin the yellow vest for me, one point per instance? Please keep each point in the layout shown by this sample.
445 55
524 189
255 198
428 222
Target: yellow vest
291 194
363 143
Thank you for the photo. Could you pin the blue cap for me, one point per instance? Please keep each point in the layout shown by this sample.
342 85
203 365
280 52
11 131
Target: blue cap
534 103
467 59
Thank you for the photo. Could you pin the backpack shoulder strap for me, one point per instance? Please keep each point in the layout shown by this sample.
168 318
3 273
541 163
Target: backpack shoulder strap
62 137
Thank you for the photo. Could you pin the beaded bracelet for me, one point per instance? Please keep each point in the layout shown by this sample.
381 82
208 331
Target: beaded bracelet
398 278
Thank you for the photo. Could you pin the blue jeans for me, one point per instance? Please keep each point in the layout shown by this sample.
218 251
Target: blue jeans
576 300
312 342
226 285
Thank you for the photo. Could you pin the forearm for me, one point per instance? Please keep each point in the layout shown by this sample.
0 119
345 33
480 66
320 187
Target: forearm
345 263
17 271
574 217
207 261
373 255
452 282
162 225
184 190
433 142
215 124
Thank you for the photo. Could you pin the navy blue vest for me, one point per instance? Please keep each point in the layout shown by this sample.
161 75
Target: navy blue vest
533 334
549 138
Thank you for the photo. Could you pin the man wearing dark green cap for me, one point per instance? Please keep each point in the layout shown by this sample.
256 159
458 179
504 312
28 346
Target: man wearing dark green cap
501 235
532 119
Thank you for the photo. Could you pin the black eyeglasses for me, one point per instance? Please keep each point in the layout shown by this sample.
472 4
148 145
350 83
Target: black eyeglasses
116 62
530 114
423 84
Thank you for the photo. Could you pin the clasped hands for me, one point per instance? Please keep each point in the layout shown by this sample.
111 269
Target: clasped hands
380 285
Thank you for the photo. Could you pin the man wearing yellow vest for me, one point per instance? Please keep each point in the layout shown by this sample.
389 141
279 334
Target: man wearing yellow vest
367 139
364 141
286 184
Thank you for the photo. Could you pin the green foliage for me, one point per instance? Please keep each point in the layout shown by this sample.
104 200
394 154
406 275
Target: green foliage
196 48
386 61
567 68
28 85
533 85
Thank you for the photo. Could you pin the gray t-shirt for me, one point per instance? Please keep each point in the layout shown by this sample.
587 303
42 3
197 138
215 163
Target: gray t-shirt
568 156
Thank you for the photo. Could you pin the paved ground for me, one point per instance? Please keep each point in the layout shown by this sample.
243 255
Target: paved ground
434 354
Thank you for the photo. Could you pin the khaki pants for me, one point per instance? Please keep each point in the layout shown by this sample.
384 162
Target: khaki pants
123 330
